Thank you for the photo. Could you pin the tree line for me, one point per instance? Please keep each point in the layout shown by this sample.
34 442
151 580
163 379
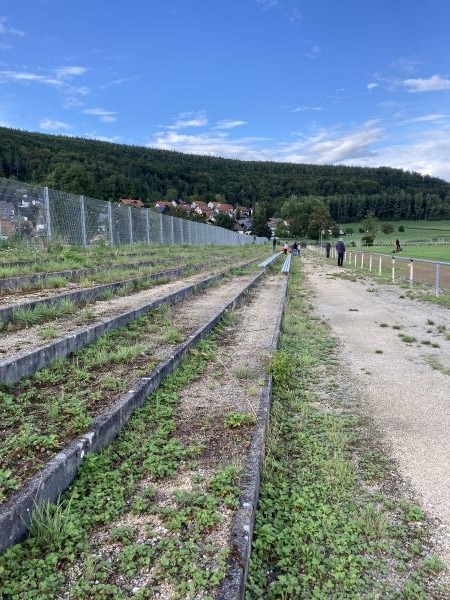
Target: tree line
112 171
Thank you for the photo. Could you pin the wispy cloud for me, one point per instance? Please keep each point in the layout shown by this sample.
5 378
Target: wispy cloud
25 77
312 51
6 29
229 124
295 16
372 86
430 118
190 119
267 4
50 125
307 109
106 116
69 72
405 65
435 83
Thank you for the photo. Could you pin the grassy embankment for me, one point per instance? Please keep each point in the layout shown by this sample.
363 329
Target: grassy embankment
414 231
332 521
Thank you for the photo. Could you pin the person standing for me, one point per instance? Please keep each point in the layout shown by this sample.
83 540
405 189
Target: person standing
328 249
285 248
340 249
274 243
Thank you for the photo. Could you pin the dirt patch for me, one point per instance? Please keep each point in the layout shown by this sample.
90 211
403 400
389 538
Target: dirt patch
387 345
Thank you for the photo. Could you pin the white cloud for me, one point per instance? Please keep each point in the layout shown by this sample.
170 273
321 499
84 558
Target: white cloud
210 145
22 76
307 108
435 83
49 124
333 146
190 119
428 118
106 116
92 135
68 72
229 124
372 86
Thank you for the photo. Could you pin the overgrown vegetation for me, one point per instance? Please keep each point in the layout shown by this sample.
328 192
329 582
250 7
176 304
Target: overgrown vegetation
330 523
171 541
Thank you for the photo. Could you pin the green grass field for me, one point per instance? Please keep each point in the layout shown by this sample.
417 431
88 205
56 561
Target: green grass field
426 252
414 231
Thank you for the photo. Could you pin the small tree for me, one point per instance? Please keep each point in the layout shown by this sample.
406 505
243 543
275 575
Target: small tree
401 228
348 231
370 225
224 220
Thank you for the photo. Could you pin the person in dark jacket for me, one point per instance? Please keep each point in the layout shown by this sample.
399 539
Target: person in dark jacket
328 249
340 249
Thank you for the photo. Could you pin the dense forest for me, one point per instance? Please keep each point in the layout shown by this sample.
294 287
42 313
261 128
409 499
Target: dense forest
112 171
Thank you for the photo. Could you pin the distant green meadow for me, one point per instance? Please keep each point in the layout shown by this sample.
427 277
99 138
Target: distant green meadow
419 231
426 252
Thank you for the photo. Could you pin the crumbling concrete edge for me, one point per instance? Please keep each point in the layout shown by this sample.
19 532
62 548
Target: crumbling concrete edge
58 474
233 586
12 371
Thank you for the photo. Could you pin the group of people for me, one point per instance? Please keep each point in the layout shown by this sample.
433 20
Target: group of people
293 249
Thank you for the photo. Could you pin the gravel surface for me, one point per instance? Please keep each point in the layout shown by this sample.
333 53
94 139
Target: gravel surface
398 388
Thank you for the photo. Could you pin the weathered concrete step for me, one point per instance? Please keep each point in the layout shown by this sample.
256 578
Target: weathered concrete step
59 473
24 365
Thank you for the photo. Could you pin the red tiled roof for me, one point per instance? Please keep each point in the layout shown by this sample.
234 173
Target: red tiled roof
131 202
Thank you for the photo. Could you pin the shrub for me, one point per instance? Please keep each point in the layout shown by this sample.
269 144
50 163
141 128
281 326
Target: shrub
348 230
387 228
401 228
361 230
367 240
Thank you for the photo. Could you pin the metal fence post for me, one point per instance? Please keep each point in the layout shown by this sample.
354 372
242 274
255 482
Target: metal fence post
379 267
47 213
411 273
83 222
362 260
111 230
370 263
393 270
147 219
355 259
130 219
438 279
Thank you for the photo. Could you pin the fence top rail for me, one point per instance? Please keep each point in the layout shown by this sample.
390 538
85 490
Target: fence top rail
405 258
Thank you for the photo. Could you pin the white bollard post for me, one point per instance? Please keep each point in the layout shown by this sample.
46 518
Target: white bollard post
411 273
393 270
355 259
362 260
379 267
370 263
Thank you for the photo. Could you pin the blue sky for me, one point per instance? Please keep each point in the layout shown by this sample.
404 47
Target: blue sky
314 81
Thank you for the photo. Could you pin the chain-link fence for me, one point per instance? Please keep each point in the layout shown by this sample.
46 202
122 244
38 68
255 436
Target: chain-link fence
37 213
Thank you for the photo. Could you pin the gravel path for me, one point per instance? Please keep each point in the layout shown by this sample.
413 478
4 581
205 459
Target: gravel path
407 398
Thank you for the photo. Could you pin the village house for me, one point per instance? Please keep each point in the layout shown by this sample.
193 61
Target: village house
131 202
163 205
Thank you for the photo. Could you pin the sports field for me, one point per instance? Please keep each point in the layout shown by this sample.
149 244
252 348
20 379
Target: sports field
414 231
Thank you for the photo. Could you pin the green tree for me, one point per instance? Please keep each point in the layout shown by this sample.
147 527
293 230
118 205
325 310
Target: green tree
223 220
371 225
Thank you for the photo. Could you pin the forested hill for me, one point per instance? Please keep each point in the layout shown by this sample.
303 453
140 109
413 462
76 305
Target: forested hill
113 171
